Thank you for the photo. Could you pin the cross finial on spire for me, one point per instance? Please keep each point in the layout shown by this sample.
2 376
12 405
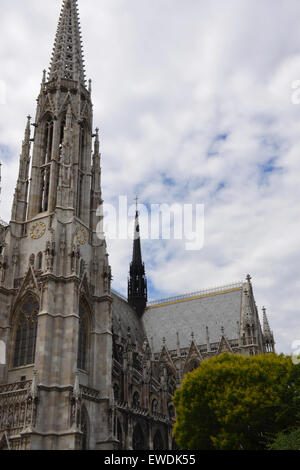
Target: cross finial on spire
136 203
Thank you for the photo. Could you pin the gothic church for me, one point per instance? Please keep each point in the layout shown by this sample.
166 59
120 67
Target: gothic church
85 367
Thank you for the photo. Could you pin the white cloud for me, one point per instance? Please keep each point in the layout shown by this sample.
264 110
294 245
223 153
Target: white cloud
168 78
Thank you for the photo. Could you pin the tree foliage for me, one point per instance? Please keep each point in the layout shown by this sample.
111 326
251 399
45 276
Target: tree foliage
286 441
236 402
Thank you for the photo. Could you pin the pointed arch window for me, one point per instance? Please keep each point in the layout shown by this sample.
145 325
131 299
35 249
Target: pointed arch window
155 406
26 332
81 167
48 140
45 164
82 338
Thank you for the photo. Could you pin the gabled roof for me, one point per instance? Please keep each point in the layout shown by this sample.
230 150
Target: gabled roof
193 354
224 346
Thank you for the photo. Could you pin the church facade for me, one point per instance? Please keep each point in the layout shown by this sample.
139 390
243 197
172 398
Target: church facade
85 367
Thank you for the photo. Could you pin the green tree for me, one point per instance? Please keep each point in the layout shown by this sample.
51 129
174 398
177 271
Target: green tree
286 441
290 398
234 402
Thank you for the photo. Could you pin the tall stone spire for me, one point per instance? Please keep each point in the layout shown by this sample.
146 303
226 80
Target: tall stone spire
137 283
61 156
268 335
52 239
67 58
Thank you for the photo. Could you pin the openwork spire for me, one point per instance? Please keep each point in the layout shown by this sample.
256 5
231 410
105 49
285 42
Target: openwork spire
67 58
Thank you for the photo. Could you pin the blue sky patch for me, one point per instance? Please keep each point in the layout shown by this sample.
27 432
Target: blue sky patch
5 152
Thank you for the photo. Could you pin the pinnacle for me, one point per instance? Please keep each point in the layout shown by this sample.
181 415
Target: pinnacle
27 129
97 143
266 326
67 58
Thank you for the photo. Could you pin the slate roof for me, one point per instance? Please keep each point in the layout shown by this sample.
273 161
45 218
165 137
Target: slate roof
192 314
123 311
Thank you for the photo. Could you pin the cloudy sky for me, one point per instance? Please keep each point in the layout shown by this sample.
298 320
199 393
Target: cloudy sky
194 104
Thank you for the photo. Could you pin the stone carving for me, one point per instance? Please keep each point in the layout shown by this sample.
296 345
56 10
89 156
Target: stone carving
49 255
